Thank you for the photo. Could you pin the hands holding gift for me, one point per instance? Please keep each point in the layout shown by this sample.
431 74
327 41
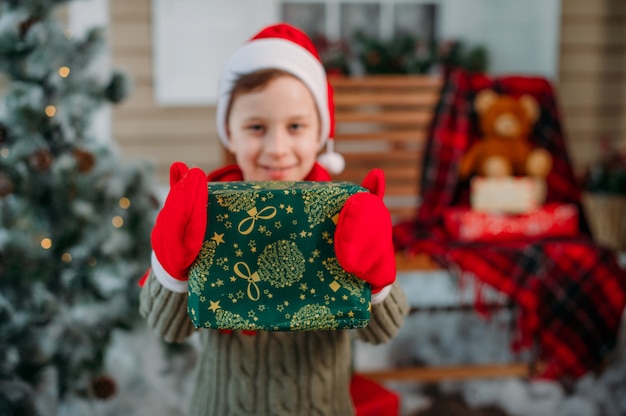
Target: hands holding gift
363 238
179 231
363 241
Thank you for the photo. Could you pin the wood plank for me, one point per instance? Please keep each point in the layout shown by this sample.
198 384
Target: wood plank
182 139
387 81
592 8
461 372
163 127
138 65
399 118
591 93
406 98
140 101
131 34
593 20
179 113
592 34
419 261
592 122
130 7
414 135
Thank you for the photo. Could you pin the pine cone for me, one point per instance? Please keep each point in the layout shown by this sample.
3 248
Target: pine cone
84 160
40 160
104 387
6 185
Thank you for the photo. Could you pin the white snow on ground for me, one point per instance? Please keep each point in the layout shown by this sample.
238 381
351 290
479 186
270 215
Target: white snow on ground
151 384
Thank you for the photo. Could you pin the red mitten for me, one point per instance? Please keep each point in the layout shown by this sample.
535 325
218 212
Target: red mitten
179 230
363 241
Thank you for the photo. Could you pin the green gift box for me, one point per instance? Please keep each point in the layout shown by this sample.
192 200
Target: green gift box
268 260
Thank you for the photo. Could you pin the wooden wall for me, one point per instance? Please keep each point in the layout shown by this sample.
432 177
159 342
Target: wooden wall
142 128
592 76
591 88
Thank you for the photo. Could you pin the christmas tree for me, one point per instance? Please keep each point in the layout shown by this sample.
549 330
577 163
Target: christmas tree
74 220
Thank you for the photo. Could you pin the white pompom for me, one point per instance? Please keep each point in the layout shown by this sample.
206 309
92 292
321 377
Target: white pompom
333 162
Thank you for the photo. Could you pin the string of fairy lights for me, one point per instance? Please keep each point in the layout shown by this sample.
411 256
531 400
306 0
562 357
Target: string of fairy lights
117 221
124 203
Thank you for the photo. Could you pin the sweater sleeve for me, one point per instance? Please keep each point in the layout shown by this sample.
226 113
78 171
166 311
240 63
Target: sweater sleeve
386 317
165 311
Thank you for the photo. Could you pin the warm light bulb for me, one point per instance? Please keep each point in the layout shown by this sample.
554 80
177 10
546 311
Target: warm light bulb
46 243
5 152
51 110
124 203
64 71
66 258
117 221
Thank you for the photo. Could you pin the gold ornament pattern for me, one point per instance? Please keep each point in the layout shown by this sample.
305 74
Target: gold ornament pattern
201 268
281 264
343 278
311 317
268 260
230 320
320 206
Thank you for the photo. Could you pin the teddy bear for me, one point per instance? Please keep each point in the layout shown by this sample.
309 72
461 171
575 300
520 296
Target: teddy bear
504 150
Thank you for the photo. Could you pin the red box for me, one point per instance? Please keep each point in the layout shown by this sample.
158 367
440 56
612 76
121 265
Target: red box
551 220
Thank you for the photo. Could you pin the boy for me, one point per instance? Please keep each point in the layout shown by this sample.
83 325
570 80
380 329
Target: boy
274 114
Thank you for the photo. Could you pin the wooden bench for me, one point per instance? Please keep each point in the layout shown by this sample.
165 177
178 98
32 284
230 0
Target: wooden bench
383 121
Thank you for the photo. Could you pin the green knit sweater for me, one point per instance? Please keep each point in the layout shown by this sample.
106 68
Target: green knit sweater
269 373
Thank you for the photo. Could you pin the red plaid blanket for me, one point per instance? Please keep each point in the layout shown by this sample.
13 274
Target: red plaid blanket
569 293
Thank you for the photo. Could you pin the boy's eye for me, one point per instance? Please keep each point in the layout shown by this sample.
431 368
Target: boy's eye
295 126
255 127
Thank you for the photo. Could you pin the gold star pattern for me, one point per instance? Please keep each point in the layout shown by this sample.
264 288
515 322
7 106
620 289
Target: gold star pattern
214 306
218 238
289 209
302 233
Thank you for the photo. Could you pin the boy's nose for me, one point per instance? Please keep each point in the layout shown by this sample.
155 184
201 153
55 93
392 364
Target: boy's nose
277 142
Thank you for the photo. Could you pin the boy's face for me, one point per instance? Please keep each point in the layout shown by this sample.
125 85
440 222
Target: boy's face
274 132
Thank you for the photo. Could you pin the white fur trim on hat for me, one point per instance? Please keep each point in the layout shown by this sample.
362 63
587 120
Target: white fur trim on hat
280 54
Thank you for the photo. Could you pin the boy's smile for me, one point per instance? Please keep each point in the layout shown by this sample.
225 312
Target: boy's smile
274 131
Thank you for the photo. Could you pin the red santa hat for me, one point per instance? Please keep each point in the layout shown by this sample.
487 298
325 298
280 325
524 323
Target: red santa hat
287 48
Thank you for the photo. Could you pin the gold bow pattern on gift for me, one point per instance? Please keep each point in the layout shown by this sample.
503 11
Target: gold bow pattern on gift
252 279
254 215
